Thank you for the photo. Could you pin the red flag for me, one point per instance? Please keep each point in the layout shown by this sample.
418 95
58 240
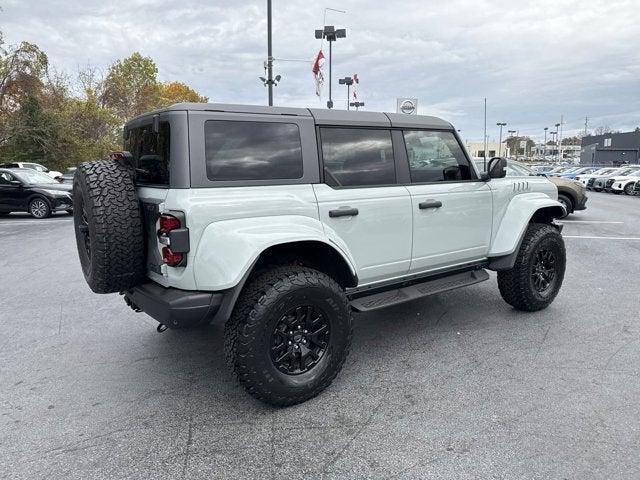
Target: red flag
316 69
356 80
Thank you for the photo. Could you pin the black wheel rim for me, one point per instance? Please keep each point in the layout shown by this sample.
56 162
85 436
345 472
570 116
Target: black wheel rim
300 340
83 229
543 273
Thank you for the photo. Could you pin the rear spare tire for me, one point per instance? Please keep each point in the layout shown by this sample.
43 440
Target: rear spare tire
108 226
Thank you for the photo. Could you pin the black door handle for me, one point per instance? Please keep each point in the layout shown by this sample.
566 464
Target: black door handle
343 212
430 204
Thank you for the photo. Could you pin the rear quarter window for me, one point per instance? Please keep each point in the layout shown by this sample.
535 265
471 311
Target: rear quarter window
150 153
237 150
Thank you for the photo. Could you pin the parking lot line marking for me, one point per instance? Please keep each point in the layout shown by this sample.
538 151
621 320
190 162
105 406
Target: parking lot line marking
567 222
600 238
40 222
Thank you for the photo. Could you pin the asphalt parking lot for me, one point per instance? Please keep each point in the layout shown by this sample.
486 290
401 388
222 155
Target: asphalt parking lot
457 385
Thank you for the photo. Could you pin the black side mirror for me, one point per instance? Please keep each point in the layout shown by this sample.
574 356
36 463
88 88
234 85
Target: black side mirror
497 167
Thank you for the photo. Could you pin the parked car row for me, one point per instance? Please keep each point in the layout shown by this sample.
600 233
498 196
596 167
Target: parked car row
613 180
33 191
571 193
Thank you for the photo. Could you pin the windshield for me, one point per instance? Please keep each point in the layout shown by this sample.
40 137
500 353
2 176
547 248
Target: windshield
34 176
35 166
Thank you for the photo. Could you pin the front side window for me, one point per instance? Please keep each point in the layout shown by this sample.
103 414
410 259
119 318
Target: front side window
357 157
150 153
5 178
252 150
435 157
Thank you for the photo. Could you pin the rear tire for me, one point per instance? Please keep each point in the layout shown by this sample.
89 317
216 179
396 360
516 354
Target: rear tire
289 335
108 226
628 188
536 277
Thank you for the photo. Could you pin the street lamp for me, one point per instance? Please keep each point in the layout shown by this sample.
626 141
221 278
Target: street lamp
348 81
557 141
357 105
500 144
330 34
544 148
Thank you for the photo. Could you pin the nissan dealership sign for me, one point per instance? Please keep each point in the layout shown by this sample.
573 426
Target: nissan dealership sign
408 106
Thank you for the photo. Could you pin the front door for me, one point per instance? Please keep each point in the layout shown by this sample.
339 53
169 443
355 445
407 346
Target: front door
361 206
11 196
452 208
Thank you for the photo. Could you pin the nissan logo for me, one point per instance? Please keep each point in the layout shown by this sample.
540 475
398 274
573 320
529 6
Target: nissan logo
407 107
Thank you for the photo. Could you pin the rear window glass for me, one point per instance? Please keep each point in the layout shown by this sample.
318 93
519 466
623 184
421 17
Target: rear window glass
237 150
150 153
357 157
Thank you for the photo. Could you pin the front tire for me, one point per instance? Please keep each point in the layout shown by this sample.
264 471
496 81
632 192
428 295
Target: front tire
628 188
536 277
39 208
289 335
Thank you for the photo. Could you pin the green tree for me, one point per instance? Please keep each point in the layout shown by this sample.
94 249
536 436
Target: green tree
513 143
131 87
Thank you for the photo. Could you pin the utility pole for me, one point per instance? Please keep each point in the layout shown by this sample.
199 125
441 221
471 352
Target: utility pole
348 81
330 34
269 55
586 126
485 134
544 148
558 158
503 124
560 142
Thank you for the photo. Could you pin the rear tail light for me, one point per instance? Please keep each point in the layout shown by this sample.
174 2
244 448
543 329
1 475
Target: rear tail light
175 238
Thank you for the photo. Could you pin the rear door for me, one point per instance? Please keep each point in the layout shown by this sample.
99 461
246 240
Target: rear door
451 207
361 204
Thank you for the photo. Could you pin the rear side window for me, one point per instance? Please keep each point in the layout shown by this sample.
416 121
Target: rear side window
150 153
252 150
435 157
357 157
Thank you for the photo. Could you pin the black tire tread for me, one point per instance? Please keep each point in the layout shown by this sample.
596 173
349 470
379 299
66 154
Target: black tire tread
115 223
264 288
514 284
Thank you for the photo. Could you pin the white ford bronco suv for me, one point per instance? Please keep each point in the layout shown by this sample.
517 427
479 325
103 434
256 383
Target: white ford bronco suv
281 221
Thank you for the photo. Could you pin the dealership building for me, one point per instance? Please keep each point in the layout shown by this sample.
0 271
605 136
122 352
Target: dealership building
611 149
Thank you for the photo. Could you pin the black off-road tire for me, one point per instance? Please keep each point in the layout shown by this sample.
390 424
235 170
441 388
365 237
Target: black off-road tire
567 202
260 308
517 285
107 214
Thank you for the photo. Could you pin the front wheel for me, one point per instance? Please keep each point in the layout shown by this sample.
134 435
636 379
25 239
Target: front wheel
628 188
536 277
289 335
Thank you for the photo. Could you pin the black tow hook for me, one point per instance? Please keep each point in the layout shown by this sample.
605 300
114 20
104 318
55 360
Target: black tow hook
161 328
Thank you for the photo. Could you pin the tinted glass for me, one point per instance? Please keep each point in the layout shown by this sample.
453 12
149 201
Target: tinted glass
252 150
357 156
150 154
435 157
5 178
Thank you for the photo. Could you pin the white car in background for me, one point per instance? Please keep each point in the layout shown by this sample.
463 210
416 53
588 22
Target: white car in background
584 179
625 183
33 166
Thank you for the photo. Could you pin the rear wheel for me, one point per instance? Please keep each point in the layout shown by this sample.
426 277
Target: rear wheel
39 208
536 277
289 335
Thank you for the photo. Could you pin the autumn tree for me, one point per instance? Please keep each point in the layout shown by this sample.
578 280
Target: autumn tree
177 92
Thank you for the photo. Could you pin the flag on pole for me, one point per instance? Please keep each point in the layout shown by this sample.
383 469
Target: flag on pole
316 69
356 81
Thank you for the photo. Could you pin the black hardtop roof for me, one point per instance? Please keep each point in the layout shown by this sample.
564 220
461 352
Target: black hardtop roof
320 116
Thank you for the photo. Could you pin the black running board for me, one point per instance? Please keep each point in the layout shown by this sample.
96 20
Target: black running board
418 290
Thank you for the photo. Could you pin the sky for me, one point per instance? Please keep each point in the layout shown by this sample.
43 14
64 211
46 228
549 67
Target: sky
534 61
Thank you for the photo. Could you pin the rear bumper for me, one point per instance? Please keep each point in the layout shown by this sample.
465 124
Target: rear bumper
173 307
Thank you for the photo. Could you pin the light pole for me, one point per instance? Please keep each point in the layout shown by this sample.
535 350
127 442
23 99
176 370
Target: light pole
544 147
553 140
500 144
357 105
348 81
330 34
557 142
